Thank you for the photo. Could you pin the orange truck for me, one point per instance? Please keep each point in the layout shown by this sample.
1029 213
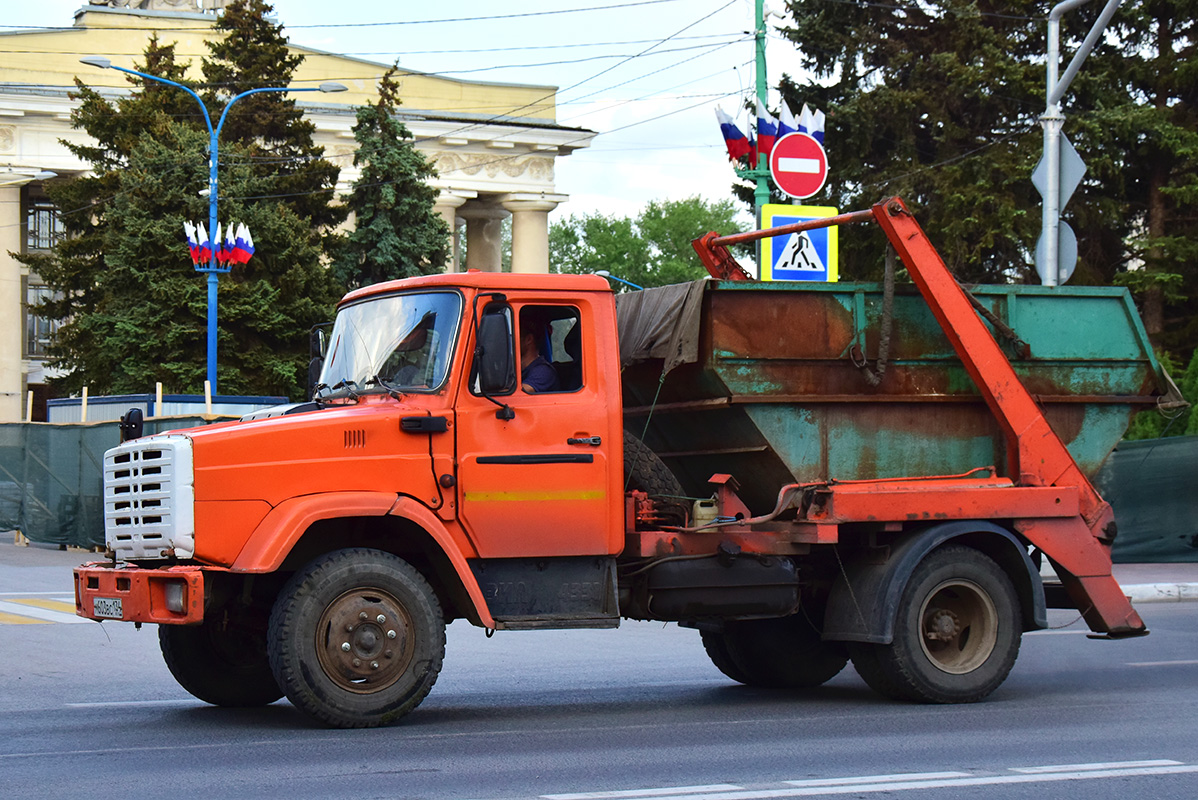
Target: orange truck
714 457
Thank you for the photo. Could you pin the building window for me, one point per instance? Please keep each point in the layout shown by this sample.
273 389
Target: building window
44 225
38 330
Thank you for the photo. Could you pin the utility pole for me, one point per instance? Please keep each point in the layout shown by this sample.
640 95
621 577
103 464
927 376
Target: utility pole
1060 162
761 173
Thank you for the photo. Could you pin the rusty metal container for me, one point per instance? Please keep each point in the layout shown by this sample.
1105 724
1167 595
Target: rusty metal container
776 392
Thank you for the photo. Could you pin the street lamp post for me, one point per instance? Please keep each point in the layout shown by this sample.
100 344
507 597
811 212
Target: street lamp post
213 270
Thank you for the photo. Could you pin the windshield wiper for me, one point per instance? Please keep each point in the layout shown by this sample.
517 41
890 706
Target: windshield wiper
348 385
377 380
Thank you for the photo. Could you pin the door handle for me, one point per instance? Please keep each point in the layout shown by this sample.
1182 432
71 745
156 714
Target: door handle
593 441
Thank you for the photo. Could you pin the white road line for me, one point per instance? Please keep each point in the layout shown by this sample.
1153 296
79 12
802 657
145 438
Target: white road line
806 166
1090 767
134 703
1163 663
22 610
910 776
676 791
907 782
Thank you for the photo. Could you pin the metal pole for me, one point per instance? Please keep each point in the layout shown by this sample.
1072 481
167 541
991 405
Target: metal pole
1053 121
761 195
213 269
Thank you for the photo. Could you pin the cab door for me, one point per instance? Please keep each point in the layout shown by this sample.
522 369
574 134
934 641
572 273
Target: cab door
534 476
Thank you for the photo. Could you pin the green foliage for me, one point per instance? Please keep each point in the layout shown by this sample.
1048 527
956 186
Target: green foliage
939 101
397 234
654 249
133 311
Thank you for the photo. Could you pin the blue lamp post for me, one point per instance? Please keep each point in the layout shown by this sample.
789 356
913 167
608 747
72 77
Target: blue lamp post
213 269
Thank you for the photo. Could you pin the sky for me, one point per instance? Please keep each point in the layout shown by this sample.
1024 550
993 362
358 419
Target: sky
646 76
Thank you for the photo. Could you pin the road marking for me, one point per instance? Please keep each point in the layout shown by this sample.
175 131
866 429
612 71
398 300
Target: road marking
134 703
1091 767
901 782
676 791
1189 663
909 776
42 609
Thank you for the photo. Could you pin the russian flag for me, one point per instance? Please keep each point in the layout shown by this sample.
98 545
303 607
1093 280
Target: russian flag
738 146
786 121
193 243
812 122
205 245
243 245
767 129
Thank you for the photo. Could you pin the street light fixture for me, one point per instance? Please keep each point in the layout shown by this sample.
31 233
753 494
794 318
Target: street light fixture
15 177
213 269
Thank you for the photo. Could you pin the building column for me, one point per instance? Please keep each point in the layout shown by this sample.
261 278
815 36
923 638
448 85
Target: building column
530 229
484 236
447 206
12 311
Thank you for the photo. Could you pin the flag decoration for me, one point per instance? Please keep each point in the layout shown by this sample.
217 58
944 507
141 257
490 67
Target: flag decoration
230 244
812 123
786 121
736 142
767 130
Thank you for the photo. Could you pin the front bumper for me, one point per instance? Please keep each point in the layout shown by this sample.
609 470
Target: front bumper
125 592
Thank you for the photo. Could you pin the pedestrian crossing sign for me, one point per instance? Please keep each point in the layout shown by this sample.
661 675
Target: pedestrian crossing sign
804 256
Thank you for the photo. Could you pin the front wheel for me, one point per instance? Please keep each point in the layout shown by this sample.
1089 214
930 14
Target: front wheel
357 638
223 660
956 636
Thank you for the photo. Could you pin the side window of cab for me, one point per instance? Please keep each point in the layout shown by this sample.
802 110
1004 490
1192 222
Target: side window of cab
550 344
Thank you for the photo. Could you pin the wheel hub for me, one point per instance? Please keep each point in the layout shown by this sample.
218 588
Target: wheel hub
959 626
364 641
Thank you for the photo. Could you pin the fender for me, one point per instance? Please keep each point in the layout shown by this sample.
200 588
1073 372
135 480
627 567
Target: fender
282 528
864 602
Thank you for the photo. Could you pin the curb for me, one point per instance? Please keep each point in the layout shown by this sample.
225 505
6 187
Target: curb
1162 592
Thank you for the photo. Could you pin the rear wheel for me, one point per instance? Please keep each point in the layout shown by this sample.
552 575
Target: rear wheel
784 653
223 660
957 634
357 638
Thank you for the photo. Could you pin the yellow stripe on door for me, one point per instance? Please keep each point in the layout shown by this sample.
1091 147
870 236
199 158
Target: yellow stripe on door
525 497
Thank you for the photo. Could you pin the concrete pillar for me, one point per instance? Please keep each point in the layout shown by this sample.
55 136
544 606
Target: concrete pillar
484 236
447 206
530 229
12 316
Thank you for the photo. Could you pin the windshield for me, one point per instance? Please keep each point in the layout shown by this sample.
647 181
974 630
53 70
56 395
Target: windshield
400 342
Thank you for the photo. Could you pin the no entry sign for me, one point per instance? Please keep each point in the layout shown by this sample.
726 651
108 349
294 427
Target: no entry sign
799 165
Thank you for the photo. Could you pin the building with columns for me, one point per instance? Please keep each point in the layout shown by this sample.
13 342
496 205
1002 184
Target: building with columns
494 146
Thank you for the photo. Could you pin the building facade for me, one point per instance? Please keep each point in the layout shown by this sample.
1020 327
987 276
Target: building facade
494 146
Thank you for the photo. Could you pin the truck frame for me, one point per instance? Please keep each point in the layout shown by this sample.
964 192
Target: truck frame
318 551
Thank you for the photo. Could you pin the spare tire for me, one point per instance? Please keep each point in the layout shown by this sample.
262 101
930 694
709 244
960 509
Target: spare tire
645 472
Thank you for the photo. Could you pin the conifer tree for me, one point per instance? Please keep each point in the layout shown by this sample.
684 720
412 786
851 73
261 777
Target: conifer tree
396 234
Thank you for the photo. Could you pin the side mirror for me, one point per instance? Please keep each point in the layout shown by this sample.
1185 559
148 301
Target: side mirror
132 425
495 355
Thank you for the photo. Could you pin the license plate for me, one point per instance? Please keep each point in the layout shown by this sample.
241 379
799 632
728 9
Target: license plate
109 607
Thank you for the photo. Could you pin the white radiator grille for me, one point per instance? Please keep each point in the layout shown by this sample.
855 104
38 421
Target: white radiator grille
149 498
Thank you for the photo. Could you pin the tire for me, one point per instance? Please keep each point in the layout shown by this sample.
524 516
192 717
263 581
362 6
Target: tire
645 472
333 657
222 661
956 636
784 653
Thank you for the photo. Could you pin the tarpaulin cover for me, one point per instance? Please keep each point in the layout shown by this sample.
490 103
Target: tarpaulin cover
52 476
1152 486
662 322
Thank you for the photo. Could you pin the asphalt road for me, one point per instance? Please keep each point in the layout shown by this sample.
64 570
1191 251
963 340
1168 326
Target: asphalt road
89 710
